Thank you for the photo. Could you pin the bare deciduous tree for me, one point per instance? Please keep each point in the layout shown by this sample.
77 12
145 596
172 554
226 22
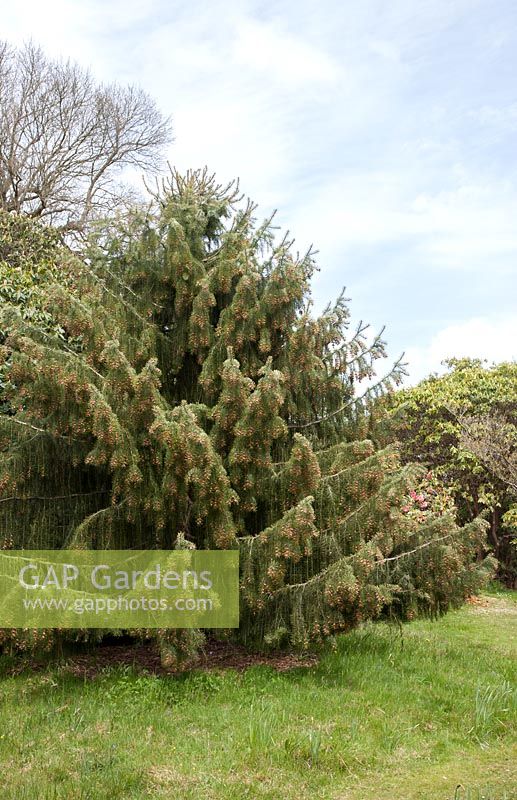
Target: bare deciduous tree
64 138
492 438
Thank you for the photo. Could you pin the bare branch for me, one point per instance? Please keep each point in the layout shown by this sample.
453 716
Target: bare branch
492 439
64 139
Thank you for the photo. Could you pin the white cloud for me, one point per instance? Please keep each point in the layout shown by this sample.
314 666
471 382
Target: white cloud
82 31
469 228
498 116
385 49
481 337
379 133
285 58
470 224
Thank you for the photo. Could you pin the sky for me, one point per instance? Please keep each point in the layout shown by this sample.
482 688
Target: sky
384 133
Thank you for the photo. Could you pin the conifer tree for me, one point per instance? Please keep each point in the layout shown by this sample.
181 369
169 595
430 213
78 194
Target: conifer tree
193 399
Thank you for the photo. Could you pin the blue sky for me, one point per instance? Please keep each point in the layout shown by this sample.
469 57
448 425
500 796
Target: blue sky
383 132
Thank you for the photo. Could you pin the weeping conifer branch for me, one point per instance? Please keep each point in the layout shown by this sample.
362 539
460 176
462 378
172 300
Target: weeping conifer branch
162 405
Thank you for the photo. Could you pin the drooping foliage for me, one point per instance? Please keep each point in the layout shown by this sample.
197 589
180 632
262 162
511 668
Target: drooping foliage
194 399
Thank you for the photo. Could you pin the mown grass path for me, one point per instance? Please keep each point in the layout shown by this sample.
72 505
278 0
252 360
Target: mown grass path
384 717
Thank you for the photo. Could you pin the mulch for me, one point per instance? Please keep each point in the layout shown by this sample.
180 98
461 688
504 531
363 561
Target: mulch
475 600
145 658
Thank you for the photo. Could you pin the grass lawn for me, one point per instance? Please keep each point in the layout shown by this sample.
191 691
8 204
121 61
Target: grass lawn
383 717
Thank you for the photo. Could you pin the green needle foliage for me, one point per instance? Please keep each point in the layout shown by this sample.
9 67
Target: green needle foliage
194 399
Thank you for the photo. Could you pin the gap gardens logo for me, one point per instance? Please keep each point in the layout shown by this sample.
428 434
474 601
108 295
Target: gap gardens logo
119 589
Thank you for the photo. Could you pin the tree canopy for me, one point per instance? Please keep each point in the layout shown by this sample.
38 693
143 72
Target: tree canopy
65 138
190 397
463 426
31 258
